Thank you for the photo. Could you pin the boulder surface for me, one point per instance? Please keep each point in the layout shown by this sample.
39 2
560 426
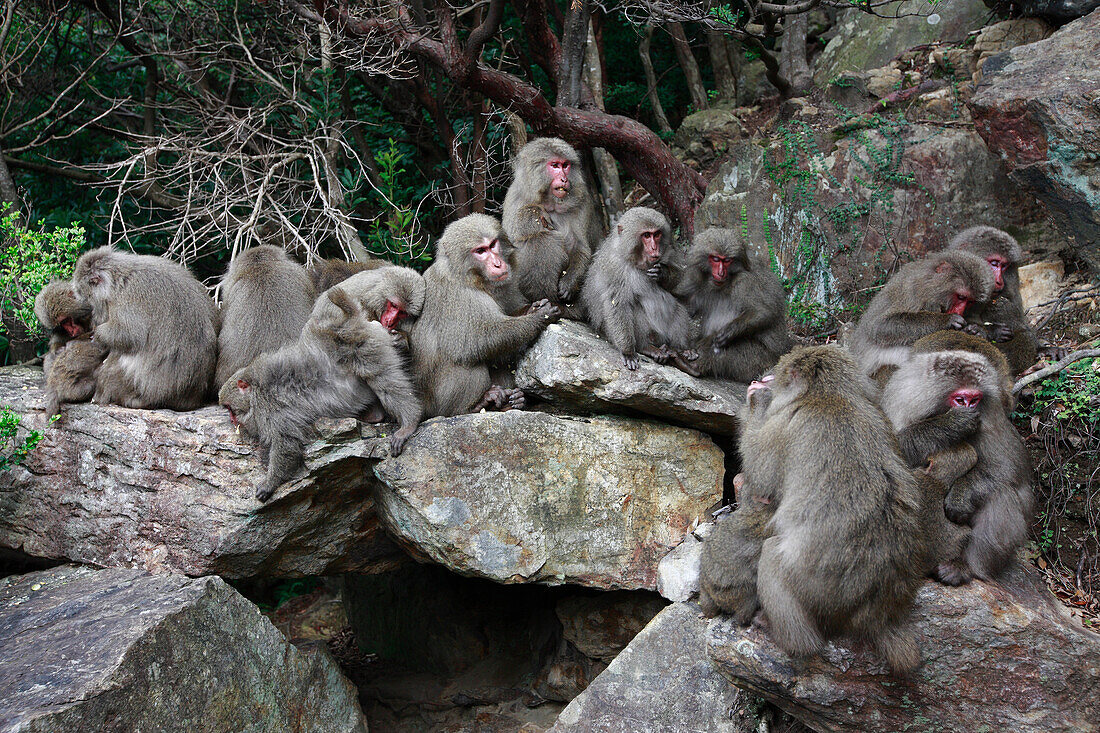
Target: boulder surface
122 650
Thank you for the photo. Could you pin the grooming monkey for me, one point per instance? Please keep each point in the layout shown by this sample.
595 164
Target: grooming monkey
843 550
344 365
326 273
625 297
73 357
1002 319
941 400
266 300
548 176
936 293
158 325
740 304
462 329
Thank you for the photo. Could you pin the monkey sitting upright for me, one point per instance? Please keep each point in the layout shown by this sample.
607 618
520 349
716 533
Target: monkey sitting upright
626 296
938 400
1002 319
548 176
740 304
74 356
835 513
934 294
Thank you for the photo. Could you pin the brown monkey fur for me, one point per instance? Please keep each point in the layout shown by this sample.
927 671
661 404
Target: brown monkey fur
266 300
844 553
626 298
925 296
1002 319
551 266
73 358
740 304
995 497
344 365
326 273
158 325
462 329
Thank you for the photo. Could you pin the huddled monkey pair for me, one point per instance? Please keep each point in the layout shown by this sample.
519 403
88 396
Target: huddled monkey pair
853 490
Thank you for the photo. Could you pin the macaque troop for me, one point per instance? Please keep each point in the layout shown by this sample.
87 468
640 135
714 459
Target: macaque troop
866 468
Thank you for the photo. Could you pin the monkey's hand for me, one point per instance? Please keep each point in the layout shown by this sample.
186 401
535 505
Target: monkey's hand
683 360
547 310
1054 353
630 360
654 272
517 400
955 322
998 333
265 490
727 337
567 288
400 342
399 438
495 398
959 506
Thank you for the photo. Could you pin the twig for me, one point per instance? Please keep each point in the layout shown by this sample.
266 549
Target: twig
1055 368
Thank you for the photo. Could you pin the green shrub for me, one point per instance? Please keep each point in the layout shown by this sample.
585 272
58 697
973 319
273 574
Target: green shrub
16 442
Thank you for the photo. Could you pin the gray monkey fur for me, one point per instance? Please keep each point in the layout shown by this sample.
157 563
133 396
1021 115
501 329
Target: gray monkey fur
266 300
158 325
72 360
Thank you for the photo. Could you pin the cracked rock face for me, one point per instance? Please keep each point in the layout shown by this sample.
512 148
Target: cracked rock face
122 650
529 496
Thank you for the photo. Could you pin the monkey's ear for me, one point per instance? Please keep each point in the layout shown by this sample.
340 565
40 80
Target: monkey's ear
242 385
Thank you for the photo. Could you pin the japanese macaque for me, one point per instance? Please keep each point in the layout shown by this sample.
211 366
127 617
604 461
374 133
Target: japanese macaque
73 358
266 300
344 365
625 297
554 240
740 304
159 327
941 399
936 293
326 273
843 551
1002 319
463 329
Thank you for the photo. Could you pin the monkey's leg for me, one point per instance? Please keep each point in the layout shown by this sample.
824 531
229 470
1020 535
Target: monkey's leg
898 645
52 403
495 398
963 501
284 459
517 400
790 625
1000 528
683 362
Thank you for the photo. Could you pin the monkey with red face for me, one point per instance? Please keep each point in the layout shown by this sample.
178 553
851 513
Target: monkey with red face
554 240
739 303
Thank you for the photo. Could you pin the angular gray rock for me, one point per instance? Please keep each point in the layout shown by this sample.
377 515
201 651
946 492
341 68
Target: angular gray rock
166 490
1058 11
529 496
1038 108
997 656
661 682
121 650
572 367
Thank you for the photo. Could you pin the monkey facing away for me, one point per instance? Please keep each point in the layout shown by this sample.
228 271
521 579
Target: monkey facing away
740 304
462 329
266 300
72 360
625 299
940 400
158 325
1002 318
344 365
932 294
551 265
845 552
326 273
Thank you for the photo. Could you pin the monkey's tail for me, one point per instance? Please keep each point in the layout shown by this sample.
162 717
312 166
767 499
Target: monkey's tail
898 645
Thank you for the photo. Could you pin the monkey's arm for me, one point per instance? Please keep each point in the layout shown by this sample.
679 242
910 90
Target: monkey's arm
902 329
283 459
576 267
124 330
951 464
619 328
496 336
920 440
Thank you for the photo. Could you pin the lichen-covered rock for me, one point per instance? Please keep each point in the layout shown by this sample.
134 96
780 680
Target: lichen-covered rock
1038 108
120 650
1000 656
173 491
678 571
661 682
573 367
529 496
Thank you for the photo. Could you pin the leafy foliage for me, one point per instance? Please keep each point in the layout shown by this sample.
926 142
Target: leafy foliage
16 442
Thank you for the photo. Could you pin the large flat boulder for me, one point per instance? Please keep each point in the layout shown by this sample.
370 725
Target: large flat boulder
662 681
121 650
173 491
530 496
1038 108
572 367
1000 656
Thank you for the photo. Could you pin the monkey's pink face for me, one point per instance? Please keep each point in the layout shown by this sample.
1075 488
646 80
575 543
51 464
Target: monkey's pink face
960 301
764 383
719 267
558 171
489 254
71 327
998 265
964 397
392 315
651 245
